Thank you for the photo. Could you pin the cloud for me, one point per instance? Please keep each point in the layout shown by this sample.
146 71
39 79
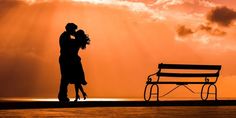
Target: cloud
207 3
184 31
222 16
158 10
210 30
167 3
131 5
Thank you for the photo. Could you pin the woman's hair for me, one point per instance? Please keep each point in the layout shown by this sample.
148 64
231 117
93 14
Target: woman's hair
84 39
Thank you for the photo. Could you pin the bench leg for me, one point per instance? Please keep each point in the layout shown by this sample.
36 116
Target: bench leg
202 92
157 92
215 91
150 92
208 91
145 91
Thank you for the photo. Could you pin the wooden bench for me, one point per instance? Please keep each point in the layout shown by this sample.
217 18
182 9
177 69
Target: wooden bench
209 73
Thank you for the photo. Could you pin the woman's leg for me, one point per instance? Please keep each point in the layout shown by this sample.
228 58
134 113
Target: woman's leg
82 76
82 91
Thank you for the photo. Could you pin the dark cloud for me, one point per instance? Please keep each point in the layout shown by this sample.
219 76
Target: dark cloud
222 16
213 31
208 28
184 31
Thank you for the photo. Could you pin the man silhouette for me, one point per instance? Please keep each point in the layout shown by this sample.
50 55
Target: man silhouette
65 60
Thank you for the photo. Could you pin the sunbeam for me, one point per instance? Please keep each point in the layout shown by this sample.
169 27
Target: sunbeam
128 39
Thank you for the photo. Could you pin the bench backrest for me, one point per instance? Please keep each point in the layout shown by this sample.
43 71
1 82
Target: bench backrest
189 67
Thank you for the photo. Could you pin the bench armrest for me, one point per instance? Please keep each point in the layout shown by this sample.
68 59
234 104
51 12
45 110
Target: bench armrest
149 78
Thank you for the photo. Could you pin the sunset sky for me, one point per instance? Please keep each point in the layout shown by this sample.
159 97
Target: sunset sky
129 38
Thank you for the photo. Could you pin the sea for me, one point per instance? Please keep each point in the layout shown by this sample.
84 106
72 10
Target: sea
125 112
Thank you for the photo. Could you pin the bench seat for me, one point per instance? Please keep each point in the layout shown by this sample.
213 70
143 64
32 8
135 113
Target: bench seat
164 74
179 83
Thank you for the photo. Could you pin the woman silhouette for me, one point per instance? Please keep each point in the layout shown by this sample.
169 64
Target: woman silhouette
81 40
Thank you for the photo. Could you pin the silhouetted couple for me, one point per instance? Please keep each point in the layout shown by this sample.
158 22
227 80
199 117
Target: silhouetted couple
70 62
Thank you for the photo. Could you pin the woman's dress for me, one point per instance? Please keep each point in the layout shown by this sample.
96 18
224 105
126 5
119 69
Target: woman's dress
70 62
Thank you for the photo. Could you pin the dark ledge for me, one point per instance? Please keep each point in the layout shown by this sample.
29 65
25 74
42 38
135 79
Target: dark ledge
55 104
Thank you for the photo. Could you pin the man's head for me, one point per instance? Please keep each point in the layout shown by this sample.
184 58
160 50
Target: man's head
71 27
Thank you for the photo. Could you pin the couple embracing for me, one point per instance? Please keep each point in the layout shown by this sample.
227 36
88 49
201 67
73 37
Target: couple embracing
72 72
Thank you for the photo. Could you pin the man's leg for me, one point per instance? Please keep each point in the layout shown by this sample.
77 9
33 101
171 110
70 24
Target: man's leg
62 95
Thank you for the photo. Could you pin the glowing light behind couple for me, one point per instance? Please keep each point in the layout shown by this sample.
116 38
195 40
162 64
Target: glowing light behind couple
128 40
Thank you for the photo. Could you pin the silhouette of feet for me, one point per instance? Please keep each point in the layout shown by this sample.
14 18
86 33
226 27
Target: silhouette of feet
85 95
76 98
64 100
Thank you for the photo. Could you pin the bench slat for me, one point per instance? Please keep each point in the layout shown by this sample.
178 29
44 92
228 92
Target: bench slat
180 83
188 74
189 66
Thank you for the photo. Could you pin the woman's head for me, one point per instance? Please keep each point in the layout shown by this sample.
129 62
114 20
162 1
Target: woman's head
84 39
80 32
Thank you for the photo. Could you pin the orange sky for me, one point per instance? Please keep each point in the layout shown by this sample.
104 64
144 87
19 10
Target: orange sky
128 40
